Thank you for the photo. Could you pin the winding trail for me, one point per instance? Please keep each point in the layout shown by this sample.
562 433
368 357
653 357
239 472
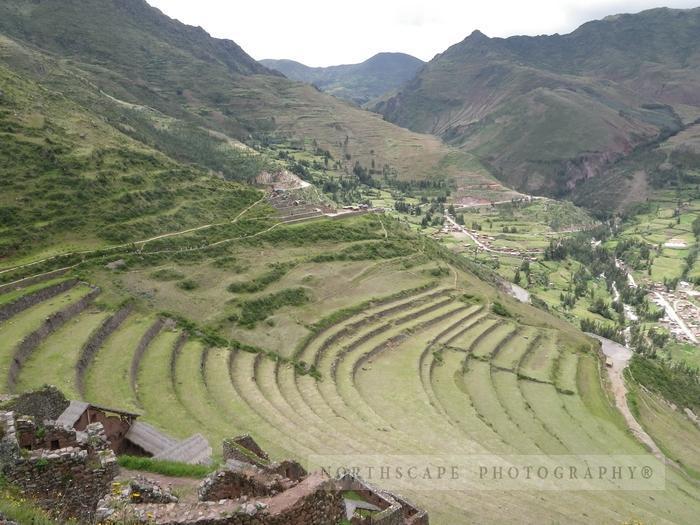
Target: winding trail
620 357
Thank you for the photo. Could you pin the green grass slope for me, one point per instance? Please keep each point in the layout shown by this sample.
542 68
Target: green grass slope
196 98
400 336
71 181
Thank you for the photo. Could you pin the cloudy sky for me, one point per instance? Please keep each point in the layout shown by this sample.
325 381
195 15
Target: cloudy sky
328 32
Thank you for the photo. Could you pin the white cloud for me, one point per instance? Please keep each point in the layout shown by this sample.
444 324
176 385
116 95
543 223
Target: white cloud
323 32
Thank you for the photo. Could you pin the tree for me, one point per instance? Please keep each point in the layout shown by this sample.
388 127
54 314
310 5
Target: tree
516 277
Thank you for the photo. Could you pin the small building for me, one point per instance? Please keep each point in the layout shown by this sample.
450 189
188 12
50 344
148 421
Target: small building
116 423
126 435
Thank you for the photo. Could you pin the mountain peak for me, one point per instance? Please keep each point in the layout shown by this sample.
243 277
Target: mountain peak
477 35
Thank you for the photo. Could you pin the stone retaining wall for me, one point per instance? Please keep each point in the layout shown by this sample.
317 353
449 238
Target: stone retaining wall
96 340
29 281
55 321
150 334
27 301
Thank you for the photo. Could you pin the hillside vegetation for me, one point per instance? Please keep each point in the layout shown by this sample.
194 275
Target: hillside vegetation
197 98
544 113
71 181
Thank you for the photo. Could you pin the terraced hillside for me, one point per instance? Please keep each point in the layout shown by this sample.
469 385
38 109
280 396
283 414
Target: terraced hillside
425 368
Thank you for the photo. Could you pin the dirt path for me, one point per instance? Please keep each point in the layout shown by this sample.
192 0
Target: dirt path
467 233
620 357
386 235
480 244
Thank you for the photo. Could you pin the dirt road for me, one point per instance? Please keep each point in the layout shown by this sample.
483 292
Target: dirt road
673 315
620 357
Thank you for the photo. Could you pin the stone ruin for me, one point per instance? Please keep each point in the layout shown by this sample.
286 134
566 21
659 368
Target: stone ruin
63 471
252 490
386 508
71 474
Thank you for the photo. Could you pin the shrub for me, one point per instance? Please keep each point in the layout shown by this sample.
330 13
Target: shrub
261 308
263 281
167 274
440 271
499 309
188 285
677 382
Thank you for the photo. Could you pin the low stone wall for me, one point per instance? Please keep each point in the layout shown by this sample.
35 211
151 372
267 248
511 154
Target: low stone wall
396 510
289 469
31 436
150 334
232 484
244 448
96 340
29 281
245 441
65 482
55 321
314 501
27 301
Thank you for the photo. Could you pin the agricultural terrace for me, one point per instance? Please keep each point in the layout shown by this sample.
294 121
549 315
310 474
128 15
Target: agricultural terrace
352 336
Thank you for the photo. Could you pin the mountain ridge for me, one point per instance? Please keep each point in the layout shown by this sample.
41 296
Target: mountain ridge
359 83
547 112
